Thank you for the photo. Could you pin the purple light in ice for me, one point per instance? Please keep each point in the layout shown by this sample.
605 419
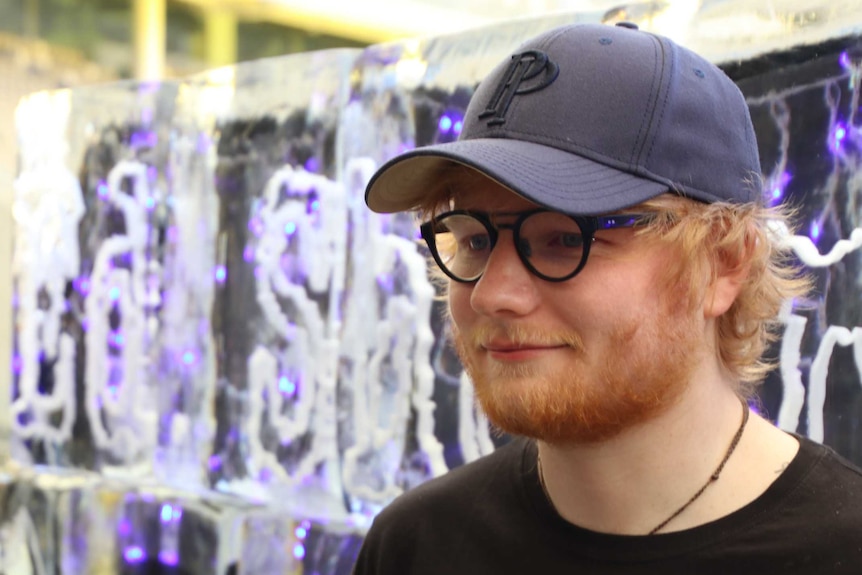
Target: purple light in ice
189 358
144 139
285 385
445 124
114 293
102 190
301 533
173 234
134 554
290 228
16 363
315 205
780 186
117 339
844 60
169 558
220 274
840 133
459 125
299 550
815 230
312 165
167 513
248 253
255 226
150 202
214 462
125 528
838 137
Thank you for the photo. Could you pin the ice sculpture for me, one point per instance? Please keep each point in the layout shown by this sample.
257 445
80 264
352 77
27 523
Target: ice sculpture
223 363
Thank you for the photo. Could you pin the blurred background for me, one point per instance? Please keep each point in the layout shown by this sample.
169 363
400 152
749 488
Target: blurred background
47 44
65 43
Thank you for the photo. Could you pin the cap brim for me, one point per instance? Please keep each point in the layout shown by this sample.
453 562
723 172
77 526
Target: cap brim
547 176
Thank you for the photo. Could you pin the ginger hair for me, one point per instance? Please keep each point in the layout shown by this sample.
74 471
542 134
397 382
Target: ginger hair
708 239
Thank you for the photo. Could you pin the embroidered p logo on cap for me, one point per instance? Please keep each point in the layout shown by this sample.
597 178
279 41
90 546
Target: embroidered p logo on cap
520 78
590 119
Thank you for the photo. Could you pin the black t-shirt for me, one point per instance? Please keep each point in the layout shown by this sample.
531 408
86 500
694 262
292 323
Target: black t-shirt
491 516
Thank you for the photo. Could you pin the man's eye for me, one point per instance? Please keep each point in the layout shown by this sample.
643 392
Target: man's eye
566 240
477 243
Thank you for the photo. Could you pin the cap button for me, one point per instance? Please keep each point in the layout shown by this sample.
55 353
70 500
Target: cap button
629 25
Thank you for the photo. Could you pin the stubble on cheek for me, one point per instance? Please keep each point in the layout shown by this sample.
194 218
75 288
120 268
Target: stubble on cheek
582 399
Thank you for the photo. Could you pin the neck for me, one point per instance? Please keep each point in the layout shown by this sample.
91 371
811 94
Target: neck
637 480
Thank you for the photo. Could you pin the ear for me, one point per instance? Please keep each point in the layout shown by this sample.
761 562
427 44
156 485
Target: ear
729 275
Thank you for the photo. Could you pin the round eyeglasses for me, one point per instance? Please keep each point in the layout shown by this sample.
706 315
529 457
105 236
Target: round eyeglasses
552 245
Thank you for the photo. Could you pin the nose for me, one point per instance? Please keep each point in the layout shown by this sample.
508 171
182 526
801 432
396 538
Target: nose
506 287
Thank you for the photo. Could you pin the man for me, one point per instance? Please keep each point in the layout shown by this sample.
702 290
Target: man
612 283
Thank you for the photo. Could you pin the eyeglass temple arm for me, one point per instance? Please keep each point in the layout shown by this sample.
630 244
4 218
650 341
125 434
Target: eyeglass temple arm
620 220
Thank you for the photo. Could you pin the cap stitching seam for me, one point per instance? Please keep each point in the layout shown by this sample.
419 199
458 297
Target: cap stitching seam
538 139
653 121
645 120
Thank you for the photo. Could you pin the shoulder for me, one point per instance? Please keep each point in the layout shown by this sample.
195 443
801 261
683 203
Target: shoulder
820 496
460 485
814 517
425 521
824 463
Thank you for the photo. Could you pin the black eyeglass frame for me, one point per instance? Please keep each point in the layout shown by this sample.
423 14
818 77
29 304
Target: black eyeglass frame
588 225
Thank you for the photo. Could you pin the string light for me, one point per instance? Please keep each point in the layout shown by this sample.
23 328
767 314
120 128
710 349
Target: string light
189 358
134 554
169 557
167 513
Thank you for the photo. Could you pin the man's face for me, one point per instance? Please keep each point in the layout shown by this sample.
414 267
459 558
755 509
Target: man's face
581 360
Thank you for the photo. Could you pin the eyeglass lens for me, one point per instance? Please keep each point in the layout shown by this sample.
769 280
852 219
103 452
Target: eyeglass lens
551 243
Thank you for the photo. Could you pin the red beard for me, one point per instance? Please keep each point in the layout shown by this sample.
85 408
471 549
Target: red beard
580 404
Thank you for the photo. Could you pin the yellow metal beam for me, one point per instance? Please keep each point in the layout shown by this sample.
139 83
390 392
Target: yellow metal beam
220 37
149 18
369 21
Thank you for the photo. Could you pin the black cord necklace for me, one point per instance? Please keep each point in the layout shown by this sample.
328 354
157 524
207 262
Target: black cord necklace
712 478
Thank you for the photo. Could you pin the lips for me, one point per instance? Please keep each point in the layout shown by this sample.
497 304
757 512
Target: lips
509 352
517 340
509 347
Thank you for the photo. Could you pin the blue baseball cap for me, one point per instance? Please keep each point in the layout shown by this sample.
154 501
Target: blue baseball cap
591 118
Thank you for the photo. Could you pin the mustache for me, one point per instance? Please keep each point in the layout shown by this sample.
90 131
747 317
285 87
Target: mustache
519 335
